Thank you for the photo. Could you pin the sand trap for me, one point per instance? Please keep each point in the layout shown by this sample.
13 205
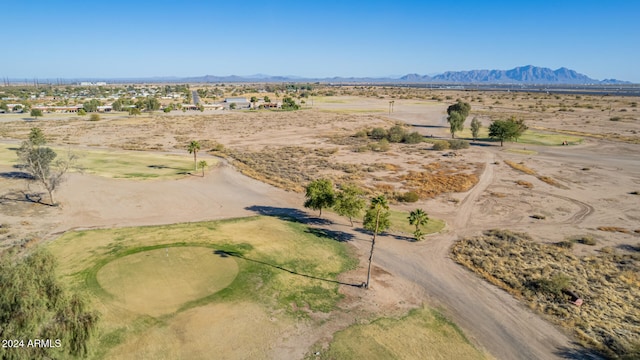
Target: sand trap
159 281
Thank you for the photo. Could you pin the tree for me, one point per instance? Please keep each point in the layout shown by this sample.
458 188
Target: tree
520 127
458 113
349 202
461 108
36 112
34 305
475 128
376 220
253 101
134 111
232 106
150 103
456 121
193 147
81 112
202 164
266 99
418 218
91 105
38 160
503 130
289 104
319 195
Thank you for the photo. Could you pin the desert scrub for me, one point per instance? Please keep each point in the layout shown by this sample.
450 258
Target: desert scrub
609 283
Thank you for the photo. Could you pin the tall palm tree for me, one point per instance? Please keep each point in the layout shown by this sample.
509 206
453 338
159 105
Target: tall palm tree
418 218
376 220
193 147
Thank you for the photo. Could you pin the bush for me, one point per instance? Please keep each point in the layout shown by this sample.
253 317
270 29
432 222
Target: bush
565 244
440 145
409 196
396 134
382 146
457 144
615 118
584 239
412 138
94 117
81 112
361 134
553 285
378 133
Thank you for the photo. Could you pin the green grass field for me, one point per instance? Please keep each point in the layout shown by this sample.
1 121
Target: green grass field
120 164
532 137
160 282
400 223
422 334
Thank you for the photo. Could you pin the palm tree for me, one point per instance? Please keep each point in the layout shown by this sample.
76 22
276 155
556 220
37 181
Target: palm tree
418 218
202 164
193 147
376 220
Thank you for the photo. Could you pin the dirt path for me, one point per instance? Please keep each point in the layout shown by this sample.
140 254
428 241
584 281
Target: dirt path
490 316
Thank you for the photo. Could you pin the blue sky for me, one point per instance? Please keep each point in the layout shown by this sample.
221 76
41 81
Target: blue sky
117 38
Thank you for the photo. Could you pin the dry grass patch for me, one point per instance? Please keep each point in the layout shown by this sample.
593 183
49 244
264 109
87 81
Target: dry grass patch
422 334
524 184
520 167
609 319
442 178
523 168
614 229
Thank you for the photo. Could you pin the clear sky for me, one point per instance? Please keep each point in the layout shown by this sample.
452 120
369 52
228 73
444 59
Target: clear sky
139 38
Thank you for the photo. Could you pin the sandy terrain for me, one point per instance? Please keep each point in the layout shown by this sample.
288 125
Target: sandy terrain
595 180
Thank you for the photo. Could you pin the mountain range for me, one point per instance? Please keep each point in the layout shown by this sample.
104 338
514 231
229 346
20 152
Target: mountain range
520 75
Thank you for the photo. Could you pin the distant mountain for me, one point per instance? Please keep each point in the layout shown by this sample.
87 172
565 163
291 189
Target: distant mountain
522 75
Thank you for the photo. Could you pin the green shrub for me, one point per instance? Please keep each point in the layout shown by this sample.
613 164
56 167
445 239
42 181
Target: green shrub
396 134
457 144
409 196
412 138
361 134
378 133
383 145
440 145
584 239
565 244
94 117
553 285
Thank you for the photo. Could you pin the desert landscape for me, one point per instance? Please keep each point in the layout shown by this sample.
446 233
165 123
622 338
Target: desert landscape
514 230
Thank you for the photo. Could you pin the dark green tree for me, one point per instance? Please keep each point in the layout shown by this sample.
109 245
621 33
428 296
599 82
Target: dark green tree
458 113
91 105
34 305
289 104
503 130
475 128
418 218
266 99
319 194
349 202
134 111
193 148
36 112
376 220
456 121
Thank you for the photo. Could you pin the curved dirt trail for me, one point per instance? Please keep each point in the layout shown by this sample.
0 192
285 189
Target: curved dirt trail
492 317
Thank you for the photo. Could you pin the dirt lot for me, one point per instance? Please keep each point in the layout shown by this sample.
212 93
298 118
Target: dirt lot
593 188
